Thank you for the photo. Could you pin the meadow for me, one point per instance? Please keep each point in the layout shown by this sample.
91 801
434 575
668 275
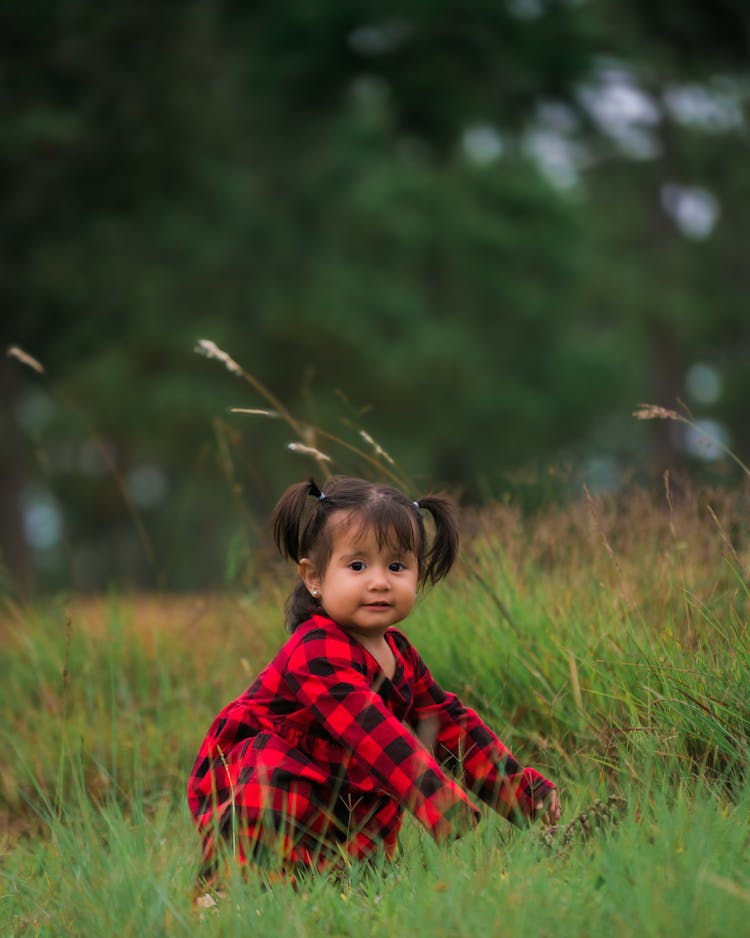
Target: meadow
606 641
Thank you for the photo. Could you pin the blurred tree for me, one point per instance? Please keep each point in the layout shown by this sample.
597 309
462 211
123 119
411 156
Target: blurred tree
472 219
671 99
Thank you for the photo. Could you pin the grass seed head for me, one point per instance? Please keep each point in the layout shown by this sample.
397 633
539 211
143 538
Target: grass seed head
308 451
655 412
18 353
211 350
377 448
254 411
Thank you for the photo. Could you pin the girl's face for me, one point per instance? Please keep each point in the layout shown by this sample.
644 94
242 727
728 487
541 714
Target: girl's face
364 587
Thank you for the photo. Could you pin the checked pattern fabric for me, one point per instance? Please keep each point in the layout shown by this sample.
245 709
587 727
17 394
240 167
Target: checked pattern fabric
322 754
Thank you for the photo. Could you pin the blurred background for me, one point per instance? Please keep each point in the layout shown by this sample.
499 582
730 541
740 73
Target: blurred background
482 232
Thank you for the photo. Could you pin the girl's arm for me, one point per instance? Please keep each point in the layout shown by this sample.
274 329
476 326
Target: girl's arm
323 674
465 745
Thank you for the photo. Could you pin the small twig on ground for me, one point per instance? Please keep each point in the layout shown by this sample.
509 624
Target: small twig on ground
597 817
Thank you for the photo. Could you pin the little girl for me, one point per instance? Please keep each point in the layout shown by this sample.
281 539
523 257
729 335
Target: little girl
346 728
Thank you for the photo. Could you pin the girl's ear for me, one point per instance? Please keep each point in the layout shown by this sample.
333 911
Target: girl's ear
309 575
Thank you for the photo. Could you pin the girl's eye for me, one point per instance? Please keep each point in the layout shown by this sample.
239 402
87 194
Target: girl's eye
396 566
357 565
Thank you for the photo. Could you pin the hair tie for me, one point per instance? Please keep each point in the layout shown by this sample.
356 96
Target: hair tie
314 490
416 505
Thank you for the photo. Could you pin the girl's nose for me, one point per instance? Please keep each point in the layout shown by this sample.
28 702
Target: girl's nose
379 578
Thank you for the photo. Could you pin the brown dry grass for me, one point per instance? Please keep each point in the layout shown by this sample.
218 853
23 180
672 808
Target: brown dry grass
655 555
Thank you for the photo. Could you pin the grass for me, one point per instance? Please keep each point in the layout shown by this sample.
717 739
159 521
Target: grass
607 642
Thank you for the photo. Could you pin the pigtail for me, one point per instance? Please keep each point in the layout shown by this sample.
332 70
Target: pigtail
291 521
289 517
444 548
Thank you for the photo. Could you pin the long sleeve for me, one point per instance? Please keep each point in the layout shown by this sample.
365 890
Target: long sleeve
325 676
463 743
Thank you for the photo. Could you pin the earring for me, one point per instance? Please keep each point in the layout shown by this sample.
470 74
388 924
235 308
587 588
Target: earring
316 593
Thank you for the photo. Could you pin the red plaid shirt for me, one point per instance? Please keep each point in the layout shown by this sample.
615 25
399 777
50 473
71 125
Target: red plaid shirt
322 754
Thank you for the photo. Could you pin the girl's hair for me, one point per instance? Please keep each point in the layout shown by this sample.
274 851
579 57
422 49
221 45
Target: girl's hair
301 529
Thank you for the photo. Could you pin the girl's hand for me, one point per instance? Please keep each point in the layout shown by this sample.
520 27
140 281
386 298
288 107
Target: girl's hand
549 809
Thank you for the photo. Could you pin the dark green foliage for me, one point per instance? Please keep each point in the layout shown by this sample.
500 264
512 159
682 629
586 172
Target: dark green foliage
290 180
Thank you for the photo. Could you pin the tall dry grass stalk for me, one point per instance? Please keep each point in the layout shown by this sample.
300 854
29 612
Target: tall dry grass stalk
656 412
104 451
307 434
